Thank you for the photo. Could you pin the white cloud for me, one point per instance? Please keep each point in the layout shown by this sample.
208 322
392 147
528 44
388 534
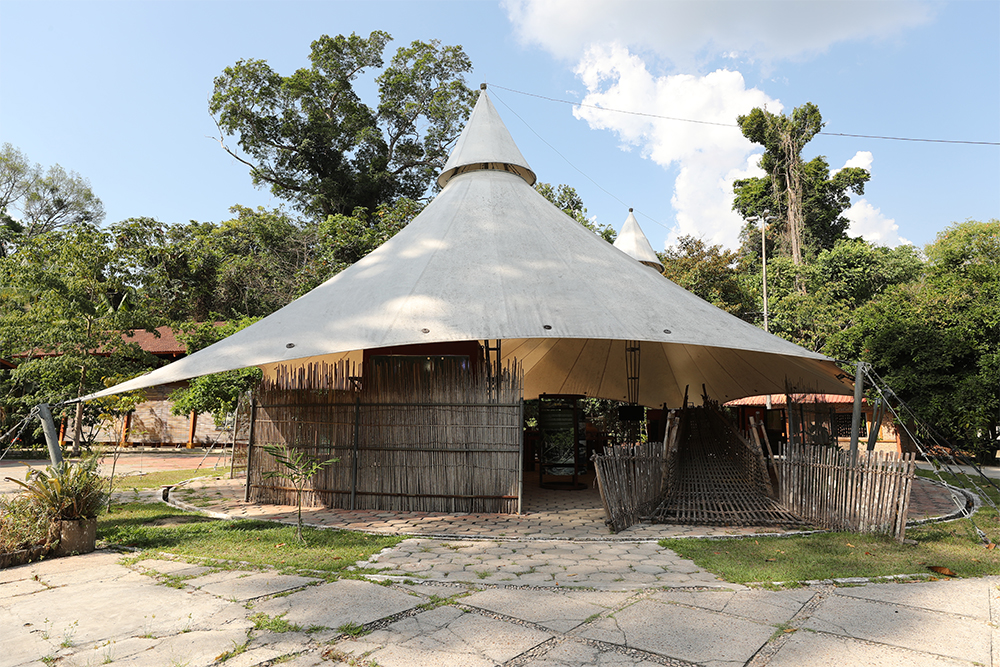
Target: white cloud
693 31
709 155
869 223
861 159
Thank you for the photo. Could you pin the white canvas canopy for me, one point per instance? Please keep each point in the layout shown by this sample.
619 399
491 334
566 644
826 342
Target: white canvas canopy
490 258
634 243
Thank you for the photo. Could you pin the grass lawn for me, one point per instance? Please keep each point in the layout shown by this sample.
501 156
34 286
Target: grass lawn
155 480
953 545
160 527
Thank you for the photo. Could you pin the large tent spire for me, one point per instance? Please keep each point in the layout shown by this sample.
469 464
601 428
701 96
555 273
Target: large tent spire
485 143
634 243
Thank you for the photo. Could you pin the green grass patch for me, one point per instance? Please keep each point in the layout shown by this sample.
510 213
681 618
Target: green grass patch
954 545
160 527
262 621
155 480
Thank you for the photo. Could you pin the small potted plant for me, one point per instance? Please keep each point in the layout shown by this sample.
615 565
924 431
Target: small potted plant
70 495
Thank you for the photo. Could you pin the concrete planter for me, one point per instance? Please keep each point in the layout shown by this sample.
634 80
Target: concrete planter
78 536
16 558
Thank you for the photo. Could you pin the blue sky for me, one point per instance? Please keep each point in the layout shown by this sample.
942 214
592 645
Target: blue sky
118 92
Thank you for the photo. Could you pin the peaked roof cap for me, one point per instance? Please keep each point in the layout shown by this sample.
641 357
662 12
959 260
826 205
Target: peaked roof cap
634 243
485 143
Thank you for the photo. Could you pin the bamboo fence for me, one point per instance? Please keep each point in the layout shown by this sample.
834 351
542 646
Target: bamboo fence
405 440
630 479
868 495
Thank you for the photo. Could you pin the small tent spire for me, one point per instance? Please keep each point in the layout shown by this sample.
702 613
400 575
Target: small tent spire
633 242
485 143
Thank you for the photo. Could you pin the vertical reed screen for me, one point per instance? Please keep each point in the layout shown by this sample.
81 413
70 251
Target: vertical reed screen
406 440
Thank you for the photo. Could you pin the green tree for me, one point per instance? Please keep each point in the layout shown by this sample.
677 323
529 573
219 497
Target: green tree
311 139
711 273
33 201
936 340
805 199
838 281
566 199
344 239
218 393
65 301
248 266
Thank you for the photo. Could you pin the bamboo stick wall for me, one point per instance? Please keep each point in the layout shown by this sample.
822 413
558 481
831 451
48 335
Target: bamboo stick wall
406 441
869 495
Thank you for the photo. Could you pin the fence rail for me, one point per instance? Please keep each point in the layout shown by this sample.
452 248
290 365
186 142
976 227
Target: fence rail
868 495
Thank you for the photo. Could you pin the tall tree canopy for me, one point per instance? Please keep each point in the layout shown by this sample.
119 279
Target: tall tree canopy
936 339
65 302
34 201
712 273
805 199
311 139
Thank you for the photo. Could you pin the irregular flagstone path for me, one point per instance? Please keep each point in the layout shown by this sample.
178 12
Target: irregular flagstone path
103 609
541 563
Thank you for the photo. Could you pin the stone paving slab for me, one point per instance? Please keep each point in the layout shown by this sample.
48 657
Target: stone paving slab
445 636
961 597
762 606
573 654
904 627
248 586
694 635
821 650
558 611
338 603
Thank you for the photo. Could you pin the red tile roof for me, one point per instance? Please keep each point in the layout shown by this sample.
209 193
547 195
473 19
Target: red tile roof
779 399
164 344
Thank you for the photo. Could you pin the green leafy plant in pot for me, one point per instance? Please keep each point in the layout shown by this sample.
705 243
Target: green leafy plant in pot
70 495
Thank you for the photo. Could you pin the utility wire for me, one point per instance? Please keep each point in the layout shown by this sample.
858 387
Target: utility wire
885 392
705 122
584 174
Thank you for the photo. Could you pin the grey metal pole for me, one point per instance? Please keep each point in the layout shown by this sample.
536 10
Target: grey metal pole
51 435
859 392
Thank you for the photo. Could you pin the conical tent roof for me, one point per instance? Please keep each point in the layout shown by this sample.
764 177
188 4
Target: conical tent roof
634 243
490 258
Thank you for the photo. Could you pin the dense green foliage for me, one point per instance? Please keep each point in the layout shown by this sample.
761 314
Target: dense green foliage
21 525
936 339
311 138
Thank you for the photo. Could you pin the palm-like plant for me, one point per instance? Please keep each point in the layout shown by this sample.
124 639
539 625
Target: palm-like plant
67 491
298 468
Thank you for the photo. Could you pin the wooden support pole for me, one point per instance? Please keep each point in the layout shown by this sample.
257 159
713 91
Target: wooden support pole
859 393
193 426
